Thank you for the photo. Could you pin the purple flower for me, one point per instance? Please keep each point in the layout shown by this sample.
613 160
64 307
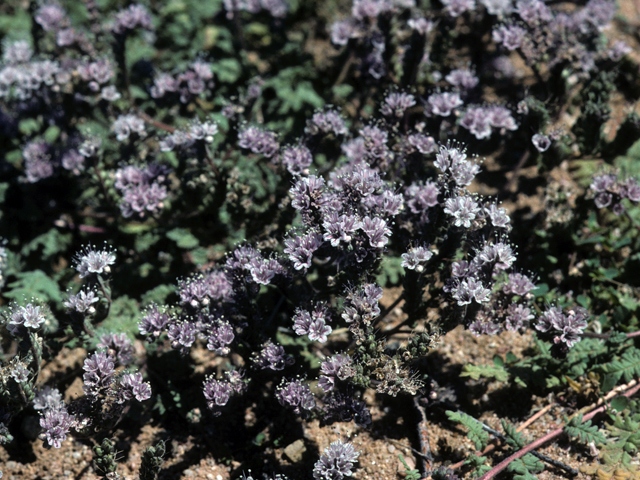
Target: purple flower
518 284
313 324
362 304
463 209
476 120
219 336
153 322
99 373
336 462
296 394
415 258
518 317
118 346
565 328
30 316
273 357
376 230
463 78
396 104
91 261
73 161
338 366
342 31
218 392
37 161
421 197
470 289
17 52
498 216
56 423
131 385
533 11
498 7
509 36
423 143
259 141
455 8
300 249
443 103
326 122
48 398
164 83
131 18
297 159
51 17
307 193
421 25
500 255
125 125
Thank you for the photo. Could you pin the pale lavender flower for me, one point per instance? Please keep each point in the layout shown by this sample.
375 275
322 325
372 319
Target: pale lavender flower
336 462
92 261
296 394
498 7
362 304
618 50
397 103
37 161
131 18
415 258
471 289
500 117
476 120
17 52
153 322
30 316
56 423
125 125
509 36
455 8
463 209
217 392
297 159
273 357
498 216
443 103
313 324
51 17
421 25
259 141
533 11
183 334
20 373
518 317
603 183
498 254
340 228
518 284
421 197
73 161
342 31
164 83
300 249
47 398
99 372
82 302
463 78
541 142
376 230
338 366
326 122
423 143
118 346
132 386
565 328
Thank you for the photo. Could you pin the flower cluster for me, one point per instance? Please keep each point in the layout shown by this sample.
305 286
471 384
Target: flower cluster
91 261
143 189
609 189
296 394
336 462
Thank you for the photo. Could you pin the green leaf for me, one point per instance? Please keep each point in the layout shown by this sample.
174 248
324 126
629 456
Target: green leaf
227 70
157 295
52 242
183 238
541 290
476 433
584 432
619 403
35 284
627 367
485 371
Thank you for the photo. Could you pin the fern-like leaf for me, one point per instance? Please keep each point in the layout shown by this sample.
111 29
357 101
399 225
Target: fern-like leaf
514 438
526 467
476 433
485 371
478 464
584 432
627 367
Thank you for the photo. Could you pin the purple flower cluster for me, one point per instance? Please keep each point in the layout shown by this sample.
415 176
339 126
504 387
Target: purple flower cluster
56 423
28 316
452 162
610 189
336 462
509 36
296 394
38 163
300 249
327 121
276 8
455 8
93 261
273 357
442 104
415 258
313 324
259 141
218 392
153 322
128 19
565 328
117 346
481 120
336 367
297 159
126 125
99 373
197 79
396 104
361 305
142 189
200 290
82 302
